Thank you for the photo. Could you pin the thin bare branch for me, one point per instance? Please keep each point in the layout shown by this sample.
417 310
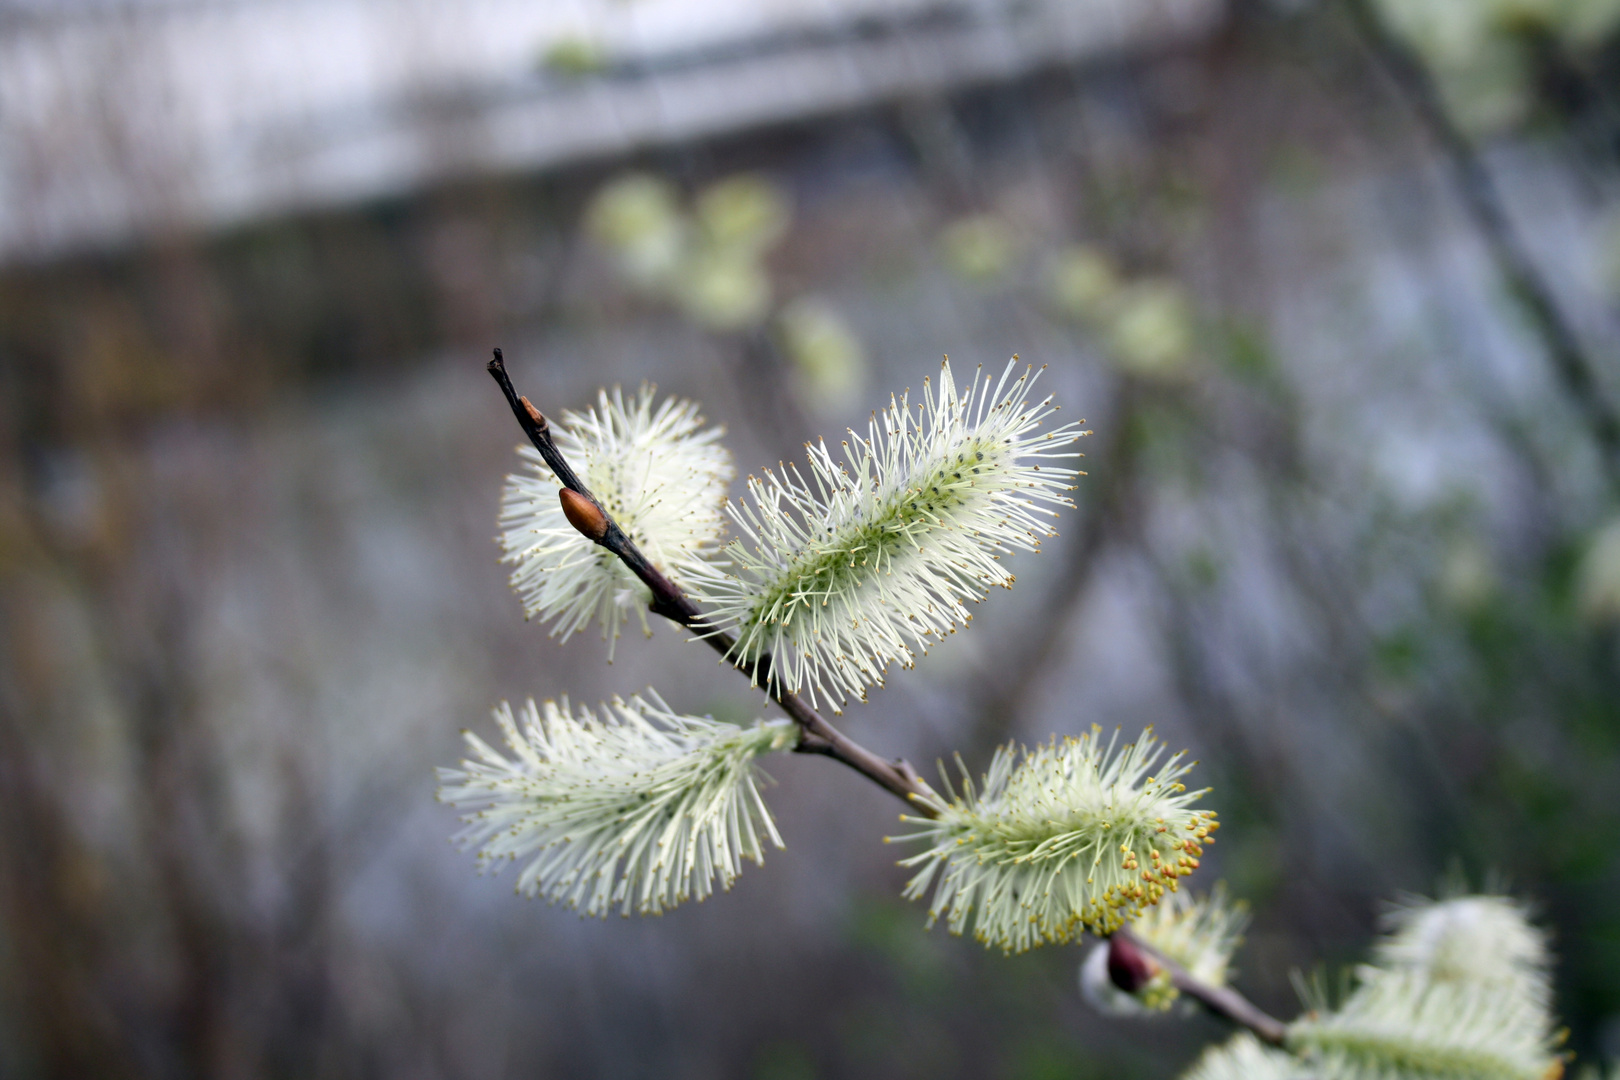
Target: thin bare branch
816 735
1223 1001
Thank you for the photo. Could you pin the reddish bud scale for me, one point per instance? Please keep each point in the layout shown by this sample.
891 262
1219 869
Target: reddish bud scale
1129 968
583 514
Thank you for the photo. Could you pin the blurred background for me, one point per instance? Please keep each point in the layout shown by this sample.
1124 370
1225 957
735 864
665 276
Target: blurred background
1336 284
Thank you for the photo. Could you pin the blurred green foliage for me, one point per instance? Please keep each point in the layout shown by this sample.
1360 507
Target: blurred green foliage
1491 58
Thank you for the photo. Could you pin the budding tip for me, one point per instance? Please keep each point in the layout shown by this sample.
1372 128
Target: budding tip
582 513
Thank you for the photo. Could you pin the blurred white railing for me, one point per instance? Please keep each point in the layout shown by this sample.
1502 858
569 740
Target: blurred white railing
121 119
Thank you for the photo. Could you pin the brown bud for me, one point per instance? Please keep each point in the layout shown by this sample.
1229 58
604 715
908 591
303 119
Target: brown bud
1129 968
583 514
534 414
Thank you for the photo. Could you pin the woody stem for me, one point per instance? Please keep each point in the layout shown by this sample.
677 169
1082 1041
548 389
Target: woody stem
816 735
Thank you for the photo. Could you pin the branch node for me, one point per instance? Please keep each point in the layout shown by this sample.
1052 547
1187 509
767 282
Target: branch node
582 513
1129 968
594 523
534 414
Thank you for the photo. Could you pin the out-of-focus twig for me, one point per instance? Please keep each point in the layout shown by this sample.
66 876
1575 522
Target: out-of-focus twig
765 379
1005 691
1478 192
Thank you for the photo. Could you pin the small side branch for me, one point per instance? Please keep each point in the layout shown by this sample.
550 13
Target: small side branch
1222 1001
1477 190
585 513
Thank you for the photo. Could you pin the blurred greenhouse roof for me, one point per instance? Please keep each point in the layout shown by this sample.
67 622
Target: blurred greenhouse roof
119 119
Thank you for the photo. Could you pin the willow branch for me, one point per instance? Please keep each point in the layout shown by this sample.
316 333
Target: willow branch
585 513
816 735
1222 1001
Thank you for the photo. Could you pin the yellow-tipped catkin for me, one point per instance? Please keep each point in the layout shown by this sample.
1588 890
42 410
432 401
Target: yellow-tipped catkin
1079 834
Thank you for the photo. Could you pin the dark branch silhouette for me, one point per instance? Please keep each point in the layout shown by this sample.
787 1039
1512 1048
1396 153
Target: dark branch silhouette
1480 197
816 736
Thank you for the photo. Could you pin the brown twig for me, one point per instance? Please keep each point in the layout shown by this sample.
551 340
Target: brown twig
816 736
1223 1001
